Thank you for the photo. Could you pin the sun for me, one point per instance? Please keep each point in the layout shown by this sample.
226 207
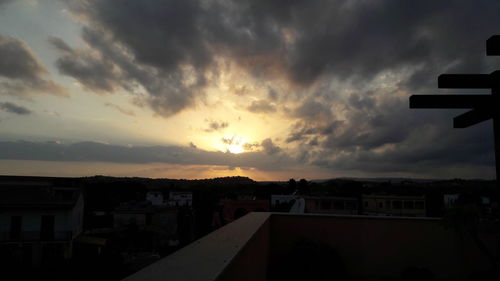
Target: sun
235 149
234 144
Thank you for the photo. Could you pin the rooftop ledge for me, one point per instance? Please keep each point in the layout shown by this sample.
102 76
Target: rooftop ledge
260 246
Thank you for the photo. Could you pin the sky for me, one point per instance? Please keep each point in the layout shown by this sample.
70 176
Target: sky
271 90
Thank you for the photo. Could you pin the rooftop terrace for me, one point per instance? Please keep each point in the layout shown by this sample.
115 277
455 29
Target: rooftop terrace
275 246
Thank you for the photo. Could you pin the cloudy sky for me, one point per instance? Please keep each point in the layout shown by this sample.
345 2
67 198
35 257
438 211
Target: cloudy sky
258 88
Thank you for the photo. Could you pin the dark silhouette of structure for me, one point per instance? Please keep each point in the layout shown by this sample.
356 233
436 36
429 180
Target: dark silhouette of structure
483 107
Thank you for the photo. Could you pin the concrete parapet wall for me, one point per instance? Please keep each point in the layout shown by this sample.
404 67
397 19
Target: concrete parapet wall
375 248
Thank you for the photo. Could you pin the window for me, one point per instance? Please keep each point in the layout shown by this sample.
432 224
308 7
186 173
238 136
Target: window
408 204
380 205
396 204
16 223
47 228
366 204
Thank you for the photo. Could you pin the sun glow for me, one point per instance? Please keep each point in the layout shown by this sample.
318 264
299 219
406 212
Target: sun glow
235 149
234 143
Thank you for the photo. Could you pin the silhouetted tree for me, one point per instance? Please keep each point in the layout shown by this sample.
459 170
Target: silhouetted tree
292 185
303 186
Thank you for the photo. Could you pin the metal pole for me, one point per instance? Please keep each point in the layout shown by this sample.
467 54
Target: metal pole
496 137
496 132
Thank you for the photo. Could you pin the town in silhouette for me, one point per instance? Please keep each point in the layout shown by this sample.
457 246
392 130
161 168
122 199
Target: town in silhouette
106 228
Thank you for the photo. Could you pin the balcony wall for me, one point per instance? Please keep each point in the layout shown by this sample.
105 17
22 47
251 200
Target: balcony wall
379 248
34 236
237 251
260 246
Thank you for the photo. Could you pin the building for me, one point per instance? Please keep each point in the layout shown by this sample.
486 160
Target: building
39 222
234 209
146 216
180 198
393 205
450 200
146 230
282 203
156 198
281 199
331 205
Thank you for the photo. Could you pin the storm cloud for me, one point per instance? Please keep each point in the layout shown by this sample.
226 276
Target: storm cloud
98 152
304 40
348 67
120 109
261 106
14 108
214 126
21 72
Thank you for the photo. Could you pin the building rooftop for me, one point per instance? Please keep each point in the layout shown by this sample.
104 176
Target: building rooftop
35 196
279 246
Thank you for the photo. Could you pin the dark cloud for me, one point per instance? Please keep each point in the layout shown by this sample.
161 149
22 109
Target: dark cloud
359 101
305 40
120 109
313 111
261 106
164 34
250 146
269 147
472 150
313 142
13 108
389 123
272 94
98 152
350 66
93 71
21 71
314 119
18 62
305 131
154 46
214 126
60 44
391 138
23 88
109 66
230 140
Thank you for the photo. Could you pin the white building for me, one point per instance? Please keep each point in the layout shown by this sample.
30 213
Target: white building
450 200
280 199
156 198
180 198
